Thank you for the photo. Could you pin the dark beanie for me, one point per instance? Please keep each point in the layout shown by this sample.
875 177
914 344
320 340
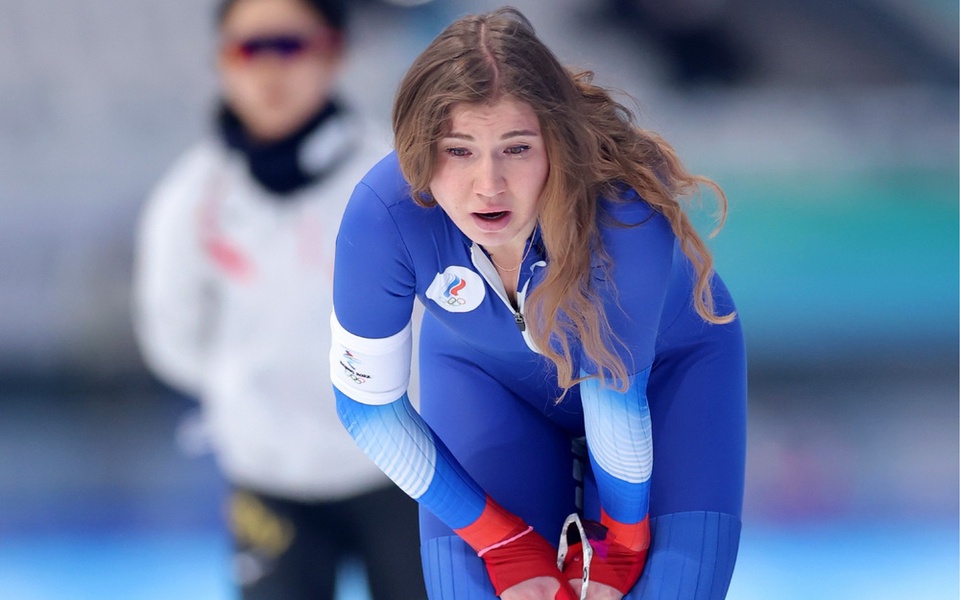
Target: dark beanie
333 12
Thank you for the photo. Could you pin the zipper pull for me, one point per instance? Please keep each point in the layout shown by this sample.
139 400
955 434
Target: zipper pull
518 318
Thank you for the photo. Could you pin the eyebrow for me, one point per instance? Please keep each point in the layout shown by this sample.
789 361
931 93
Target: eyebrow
510 134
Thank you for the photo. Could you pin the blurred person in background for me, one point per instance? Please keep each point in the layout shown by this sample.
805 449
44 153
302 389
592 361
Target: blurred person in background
580 361
233 289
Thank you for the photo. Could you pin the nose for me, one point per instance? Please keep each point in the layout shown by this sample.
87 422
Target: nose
488 179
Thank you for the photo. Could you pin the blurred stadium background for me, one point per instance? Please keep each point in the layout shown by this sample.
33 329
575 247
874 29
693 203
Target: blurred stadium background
832 125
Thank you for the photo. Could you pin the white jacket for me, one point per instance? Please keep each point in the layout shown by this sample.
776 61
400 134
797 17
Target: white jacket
233 296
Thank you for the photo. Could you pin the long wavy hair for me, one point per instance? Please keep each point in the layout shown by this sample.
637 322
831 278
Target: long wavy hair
594 148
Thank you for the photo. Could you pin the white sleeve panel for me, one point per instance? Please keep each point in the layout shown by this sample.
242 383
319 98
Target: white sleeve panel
171 294
618 428
371 371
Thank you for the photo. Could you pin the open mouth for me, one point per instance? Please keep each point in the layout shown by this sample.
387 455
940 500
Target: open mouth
491 216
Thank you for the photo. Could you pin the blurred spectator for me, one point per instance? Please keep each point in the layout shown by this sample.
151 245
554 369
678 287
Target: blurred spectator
233 300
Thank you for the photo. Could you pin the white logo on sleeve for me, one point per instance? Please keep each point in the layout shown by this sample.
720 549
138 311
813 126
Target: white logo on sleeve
457 289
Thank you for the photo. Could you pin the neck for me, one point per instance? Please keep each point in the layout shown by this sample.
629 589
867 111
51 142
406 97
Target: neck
509 261
504 268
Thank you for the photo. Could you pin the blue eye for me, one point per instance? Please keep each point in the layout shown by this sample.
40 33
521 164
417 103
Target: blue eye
517 150
460 152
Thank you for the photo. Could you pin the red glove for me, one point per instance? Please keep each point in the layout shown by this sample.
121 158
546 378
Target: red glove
512 551
522 556
613 564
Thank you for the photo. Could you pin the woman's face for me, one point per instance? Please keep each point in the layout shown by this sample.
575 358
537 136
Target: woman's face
491 168
278 63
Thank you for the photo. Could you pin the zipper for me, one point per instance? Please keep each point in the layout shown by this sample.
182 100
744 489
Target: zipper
489 273
518 319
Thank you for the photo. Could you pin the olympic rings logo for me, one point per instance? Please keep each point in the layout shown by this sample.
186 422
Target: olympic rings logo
457 289
349 367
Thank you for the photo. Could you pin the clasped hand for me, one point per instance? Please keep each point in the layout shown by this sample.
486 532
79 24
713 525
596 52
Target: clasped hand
548 588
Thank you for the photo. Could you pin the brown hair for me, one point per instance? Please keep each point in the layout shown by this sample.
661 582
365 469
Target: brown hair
593 146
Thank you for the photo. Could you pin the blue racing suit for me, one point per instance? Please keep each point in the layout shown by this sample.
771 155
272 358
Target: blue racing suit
668 453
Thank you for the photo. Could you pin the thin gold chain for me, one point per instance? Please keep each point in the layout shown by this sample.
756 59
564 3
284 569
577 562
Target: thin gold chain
519 264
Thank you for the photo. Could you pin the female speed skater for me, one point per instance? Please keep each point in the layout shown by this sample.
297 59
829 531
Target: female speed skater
578 355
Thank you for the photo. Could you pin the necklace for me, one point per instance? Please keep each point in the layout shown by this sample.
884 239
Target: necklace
519 264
